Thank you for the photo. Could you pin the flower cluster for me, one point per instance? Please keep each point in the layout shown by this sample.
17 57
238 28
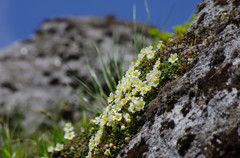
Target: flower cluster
69 134
128 98
58 147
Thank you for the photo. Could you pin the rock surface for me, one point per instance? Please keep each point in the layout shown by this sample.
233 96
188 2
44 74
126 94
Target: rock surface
34 72
198 115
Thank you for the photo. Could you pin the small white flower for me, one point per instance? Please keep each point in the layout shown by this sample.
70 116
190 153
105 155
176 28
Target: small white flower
160 45
140 105
123 127
59 147
151 55
89 154
143 91
111 121
156 72
126 116
118 116
136 73
107 152
128 120
127 138
173 58
69 135
124 101
155 82
132 108
157 64
111 144
103 121
119 106
110 98
50 149
134 92
68 127
148 88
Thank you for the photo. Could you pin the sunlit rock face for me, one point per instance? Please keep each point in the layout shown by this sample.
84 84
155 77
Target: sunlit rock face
198 115
34 72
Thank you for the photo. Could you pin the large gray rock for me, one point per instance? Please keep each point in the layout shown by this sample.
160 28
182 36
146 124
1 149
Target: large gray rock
198 115
34 72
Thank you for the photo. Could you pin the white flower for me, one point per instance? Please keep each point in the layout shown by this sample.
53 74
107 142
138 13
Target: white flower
118 97
111 144
132 108
148 88
128 96
103 121
156 72
136 73
173 58
89 154
59 147
128 120
110 121
69 135
107 152
150 77
123 127
143 91
95 121
139 104
127 117
119 106
110 98
155 82
50 149
134 92
142 54
68 127
148 49
160 46
157 64
150 55
123 101
91 143
127 139
118 116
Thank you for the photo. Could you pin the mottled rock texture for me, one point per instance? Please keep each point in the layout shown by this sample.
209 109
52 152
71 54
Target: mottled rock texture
198 115
34 72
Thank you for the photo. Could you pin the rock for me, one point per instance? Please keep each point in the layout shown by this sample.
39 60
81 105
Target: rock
198 115
34 72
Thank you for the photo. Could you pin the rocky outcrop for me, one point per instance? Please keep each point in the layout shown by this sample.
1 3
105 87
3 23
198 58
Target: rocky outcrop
198 115
34 72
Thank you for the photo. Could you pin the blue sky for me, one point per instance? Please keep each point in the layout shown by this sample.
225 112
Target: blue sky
20 18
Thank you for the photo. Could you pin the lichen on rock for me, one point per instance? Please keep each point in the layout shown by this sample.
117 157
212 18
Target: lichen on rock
198 115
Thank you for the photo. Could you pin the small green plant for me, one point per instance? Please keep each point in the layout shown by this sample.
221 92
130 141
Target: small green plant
10 144
179 30
158 35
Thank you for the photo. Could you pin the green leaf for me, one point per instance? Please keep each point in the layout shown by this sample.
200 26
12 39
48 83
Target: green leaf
153 31
7 153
